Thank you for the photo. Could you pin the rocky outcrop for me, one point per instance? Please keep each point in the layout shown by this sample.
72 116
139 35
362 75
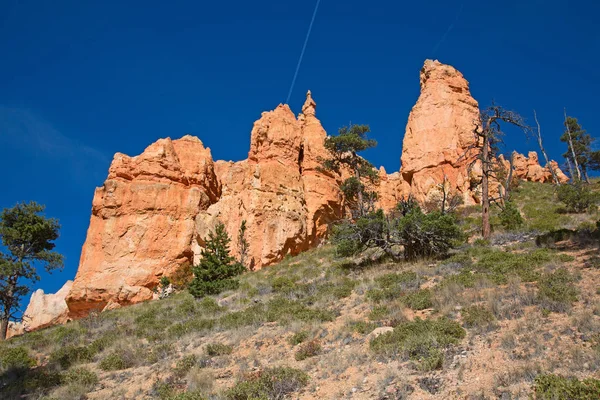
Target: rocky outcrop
529 168
155 210
391 188
286 201
43 310
142 224
439 133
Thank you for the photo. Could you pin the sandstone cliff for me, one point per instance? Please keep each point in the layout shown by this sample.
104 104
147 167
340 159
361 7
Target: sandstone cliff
154 211
142 223
439 132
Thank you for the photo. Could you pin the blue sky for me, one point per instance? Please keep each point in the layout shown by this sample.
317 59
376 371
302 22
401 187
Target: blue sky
80 81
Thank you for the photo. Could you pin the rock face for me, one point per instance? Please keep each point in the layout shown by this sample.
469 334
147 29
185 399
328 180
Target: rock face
43 310
439 132
155 210
142 224
529 168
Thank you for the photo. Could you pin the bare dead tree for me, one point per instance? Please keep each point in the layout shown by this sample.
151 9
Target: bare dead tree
539 138
572 149
509 177
488 134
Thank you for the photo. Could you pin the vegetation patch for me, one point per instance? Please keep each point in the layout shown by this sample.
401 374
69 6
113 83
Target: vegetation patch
308 349
393 285
270 384
116 360
418 300
298 338
557 290
500 265
218 349
15 358
478 317
554 387
420 340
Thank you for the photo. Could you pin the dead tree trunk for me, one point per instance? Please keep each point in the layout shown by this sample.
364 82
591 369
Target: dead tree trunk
485 194
571 147
539 138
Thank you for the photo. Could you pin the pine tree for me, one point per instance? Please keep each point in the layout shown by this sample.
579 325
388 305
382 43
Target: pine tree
344 149
579 150
217 269
243 243
28 237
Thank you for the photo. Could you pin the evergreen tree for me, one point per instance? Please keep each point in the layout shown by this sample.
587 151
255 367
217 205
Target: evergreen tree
579 144
28 240
243 243
344 149
217 269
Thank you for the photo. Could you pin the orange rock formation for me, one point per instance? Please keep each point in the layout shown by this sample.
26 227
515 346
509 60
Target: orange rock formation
154 210
439 132
43 310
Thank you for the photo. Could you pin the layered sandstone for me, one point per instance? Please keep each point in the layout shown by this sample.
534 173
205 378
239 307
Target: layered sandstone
142 224
155 210
439 134
43 310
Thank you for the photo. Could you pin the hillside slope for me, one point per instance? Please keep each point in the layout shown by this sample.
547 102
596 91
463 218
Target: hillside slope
493 320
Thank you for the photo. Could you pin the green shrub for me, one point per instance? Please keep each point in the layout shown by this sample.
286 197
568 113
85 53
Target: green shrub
191 326
82 376
499 265
419 300
379 313
195 395
298 338
283 284
270 384
391 286
15 358
421 235
510 217
478 317
184 365
427 235
103 342
554 387
116 361
419 340
217 269
362 327
218 349
557 290
308 349
64 335
69 355
577 197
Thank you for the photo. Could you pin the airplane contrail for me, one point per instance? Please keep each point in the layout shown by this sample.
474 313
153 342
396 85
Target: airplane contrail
302 52
439 43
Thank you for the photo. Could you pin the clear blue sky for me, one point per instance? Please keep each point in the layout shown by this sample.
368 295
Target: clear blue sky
81 80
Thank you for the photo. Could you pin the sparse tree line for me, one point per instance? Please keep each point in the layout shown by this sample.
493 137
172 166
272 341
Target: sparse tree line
410 231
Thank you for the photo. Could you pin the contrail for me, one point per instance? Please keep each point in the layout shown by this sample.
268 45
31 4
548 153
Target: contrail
302 52
439 43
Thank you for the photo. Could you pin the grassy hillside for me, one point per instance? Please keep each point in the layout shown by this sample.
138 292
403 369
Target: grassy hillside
505 319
